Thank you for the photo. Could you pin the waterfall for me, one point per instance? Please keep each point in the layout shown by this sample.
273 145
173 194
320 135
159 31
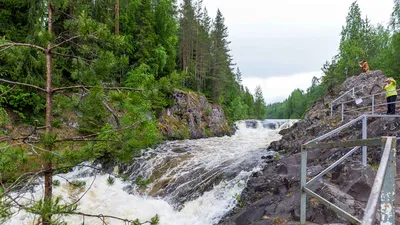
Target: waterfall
191 182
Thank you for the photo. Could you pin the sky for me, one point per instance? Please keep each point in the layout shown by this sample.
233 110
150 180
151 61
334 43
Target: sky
282 44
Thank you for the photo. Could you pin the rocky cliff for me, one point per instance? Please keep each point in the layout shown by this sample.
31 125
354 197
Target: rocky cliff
192 116
272 195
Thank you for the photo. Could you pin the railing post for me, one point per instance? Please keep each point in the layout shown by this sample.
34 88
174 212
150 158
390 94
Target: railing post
389 189
373 104
331 110
364 136
342 112
303 183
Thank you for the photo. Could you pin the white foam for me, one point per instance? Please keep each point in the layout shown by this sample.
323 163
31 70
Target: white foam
243 150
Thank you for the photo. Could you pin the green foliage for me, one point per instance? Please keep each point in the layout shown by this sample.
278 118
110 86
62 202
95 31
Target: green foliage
142 182
259 104
5 208
155 220
297 104
21 102
208 111
360 41
142 56
239 109
110 181
56 183
48 139
48 208
94 115
238 198
4 118
77 184
11 159
141 77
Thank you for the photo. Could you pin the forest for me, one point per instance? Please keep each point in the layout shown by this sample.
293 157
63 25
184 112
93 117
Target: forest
360 40
124 57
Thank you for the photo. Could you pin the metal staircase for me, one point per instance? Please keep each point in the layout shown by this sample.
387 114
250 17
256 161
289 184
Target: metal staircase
383 191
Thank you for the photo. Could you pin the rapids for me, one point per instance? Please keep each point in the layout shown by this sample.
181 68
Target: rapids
191 182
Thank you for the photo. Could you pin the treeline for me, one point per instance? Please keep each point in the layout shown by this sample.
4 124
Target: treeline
204 56
295 106
360 40
85 80
150 44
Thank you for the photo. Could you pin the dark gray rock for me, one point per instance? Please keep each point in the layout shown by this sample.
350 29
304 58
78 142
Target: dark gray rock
276 190
251 124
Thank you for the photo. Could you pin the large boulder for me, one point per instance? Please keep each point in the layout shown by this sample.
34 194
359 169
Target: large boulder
192 116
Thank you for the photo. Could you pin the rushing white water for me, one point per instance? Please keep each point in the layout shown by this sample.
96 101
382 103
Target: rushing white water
193 182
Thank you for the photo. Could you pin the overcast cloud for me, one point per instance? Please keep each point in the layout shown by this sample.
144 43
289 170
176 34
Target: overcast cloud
282 44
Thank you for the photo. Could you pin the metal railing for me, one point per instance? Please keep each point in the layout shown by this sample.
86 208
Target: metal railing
353 91
384 184
372 106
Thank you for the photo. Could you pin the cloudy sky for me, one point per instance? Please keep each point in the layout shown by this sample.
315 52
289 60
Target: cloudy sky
282 44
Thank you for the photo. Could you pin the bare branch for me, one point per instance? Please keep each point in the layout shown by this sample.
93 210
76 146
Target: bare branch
100 216
88 87
71 56
63 42
8 90
23 45
113 113
23 84
86 138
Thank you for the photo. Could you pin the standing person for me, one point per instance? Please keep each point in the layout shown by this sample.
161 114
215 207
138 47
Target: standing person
364 65
391 95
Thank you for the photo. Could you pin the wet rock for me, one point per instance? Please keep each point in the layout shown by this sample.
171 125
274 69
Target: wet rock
251 124
276 191
193 117
270 156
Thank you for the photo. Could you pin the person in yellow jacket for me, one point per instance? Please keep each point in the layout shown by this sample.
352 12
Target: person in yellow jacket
391 95
364 65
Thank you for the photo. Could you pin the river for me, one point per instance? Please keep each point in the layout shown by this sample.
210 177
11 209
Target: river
191 182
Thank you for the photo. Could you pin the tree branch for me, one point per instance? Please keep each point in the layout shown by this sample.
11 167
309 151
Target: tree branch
86 138
100 216
112 112
63 42
88 87
23 84
23 45
71 56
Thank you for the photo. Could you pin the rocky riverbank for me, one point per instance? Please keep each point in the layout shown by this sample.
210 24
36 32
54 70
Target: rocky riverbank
272 195
192 116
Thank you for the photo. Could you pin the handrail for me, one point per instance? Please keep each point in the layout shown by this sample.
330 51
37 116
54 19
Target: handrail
372 205
372 105
366 107
347 92
344 94
366 96
383 187
337 130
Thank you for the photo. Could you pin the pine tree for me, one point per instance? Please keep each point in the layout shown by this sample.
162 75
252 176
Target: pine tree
259 104
146 36
395 16
221 60
238 76
166 30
